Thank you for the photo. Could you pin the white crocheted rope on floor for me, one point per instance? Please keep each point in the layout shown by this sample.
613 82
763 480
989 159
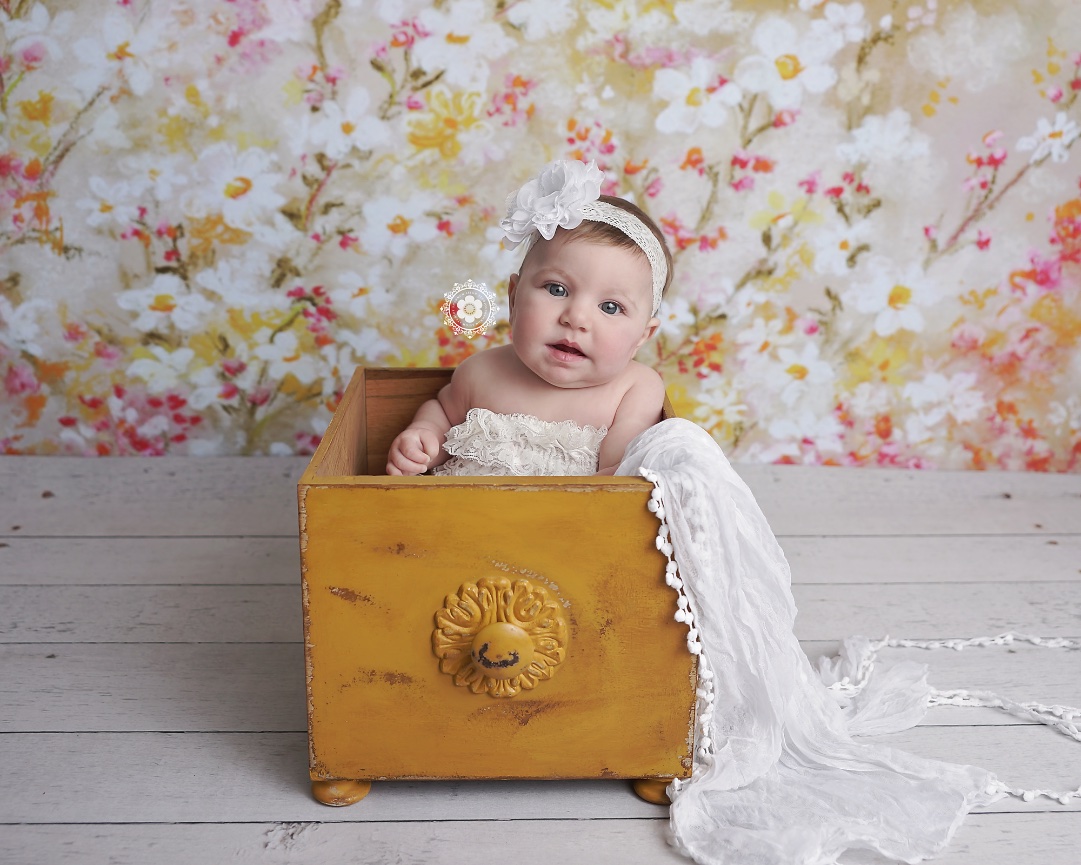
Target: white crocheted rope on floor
1060 718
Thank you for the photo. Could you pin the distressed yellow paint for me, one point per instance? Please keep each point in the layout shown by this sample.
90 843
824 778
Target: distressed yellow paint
380 558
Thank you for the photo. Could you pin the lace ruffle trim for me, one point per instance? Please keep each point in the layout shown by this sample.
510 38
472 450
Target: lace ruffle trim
521 444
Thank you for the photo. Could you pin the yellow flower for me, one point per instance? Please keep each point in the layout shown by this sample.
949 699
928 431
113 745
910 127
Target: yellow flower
448 116
40 109
781 215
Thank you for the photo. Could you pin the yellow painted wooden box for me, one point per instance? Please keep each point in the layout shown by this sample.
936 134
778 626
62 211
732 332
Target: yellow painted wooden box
496 627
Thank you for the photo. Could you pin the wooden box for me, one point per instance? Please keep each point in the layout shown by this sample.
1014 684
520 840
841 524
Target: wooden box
400 575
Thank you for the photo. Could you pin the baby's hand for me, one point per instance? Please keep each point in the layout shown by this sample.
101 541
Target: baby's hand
412 451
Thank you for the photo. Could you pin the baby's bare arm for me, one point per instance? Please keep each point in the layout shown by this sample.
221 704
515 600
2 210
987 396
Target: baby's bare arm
639 409
419 446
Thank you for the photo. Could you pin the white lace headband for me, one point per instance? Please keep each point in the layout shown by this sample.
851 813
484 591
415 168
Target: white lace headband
564 195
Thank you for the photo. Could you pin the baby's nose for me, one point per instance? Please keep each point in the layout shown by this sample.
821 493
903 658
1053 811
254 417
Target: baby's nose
575 315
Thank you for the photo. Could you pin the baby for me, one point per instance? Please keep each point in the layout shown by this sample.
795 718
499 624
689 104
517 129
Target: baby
584 301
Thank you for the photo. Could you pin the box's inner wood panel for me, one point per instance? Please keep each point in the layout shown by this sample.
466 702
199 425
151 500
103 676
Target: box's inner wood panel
342 450
377 405
391 398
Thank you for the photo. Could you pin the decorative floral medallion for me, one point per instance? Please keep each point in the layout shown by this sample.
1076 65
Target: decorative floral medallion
500 636
469 309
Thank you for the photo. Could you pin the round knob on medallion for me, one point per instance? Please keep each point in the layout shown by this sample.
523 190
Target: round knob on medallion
502 650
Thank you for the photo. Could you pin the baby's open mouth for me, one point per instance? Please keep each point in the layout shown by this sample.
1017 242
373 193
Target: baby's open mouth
567 349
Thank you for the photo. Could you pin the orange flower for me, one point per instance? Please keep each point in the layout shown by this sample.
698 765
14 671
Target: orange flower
693 159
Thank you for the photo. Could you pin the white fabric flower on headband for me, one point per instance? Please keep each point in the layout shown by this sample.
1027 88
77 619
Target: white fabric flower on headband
564 195
552 200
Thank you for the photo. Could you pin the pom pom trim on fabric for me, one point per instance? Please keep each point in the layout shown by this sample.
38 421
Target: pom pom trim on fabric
704 745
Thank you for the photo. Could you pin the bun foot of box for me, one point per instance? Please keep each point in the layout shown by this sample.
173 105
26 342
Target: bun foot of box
653 790
339 793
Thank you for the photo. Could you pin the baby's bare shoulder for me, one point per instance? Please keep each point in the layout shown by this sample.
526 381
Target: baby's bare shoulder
644 394
473 377
644 379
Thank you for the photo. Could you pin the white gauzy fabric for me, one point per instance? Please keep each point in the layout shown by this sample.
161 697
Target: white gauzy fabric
787 783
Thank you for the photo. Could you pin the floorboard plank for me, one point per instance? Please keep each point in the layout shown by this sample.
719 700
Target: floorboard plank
168 687
149 561
217 496
247 560
1000 839
258 777
152 687
245 614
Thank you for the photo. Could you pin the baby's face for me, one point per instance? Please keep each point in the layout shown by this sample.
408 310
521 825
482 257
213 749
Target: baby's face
580 310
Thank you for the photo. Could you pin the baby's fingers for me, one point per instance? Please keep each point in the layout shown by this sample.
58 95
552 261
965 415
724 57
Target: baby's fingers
416 453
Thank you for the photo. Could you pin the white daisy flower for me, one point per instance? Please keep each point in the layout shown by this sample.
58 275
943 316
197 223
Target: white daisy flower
238 184
694 98
885 139
166 300
338 128
894 296
37 30
719 403
393 225
789 63
834 246
756 340
165 371
541 18
797 373
1051 139
116 47
847 20
242 284
825 432
936 396
109 205
676 317
461 41
284 357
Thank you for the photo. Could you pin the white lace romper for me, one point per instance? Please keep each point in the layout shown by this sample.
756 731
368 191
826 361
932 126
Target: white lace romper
487 443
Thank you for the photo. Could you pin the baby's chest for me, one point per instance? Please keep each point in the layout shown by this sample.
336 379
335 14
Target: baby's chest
482 627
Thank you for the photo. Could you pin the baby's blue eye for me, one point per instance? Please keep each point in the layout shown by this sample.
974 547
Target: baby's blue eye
611 307
556 290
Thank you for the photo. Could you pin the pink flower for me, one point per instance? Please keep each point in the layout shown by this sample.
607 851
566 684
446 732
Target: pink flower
930 231
1054 93
33 55
967 337
20 380
414 103
784 118
233 367
655 187
810 184
983 239
744 183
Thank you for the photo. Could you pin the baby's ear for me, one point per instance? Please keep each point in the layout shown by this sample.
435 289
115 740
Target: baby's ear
512 284
647 334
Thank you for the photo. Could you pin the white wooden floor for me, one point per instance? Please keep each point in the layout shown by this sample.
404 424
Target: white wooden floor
151 672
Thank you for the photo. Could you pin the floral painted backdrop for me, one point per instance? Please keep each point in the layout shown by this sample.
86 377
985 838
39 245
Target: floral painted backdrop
212 210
